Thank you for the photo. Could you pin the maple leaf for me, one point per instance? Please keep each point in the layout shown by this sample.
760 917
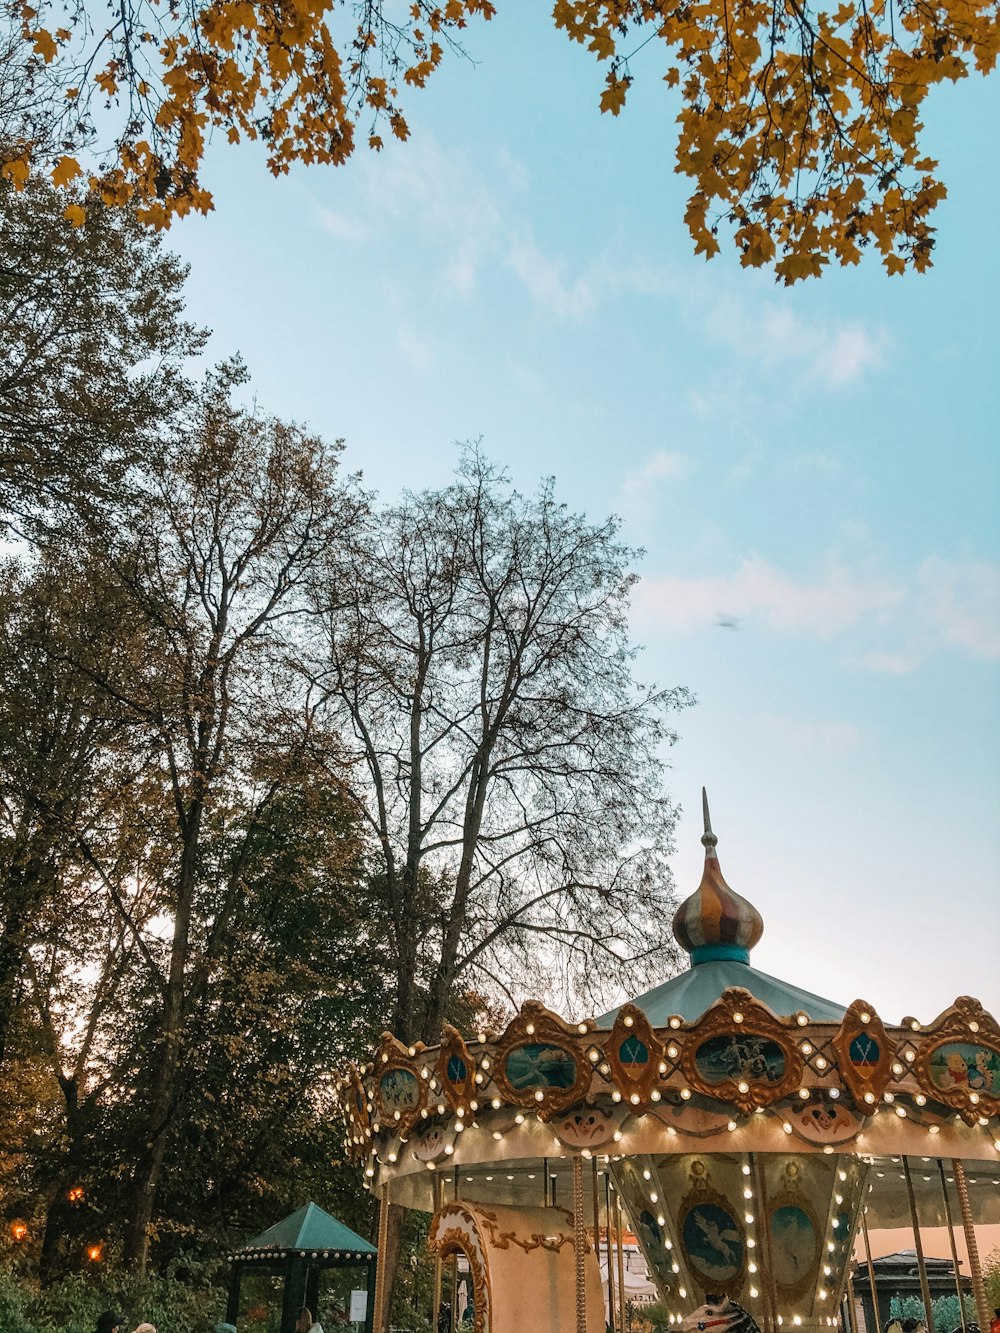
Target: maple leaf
76 214
613 97
66 169
16 171
45 45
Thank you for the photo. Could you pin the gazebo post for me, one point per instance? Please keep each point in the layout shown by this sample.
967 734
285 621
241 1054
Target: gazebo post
293 1296
233 1301
312 1289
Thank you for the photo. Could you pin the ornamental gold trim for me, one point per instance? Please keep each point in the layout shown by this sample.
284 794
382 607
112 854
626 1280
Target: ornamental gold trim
457 1093
445 1239
539 1027
748 1023
634 1079
970 1088
867 1068
395 1058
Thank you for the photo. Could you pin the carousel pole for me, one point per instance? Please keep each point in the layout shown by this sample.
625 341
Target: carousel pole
579 1241
611 1266
925 1291
438 1261
620 1235
975 1271
378 1323
954 1248
871 1271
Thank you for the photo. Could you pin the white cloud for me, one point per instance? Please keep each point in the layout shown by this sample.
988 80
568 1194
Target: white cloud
827 353
959 602
761 592
943 604
544 280
640 486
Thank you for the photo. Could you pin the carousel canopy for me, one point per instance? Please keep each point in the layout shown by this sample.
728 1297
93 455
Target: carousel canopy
718 928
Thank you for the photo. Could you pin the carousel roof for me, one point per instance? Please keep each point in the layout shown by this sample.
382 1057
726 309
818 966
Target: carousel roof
718 928
692 992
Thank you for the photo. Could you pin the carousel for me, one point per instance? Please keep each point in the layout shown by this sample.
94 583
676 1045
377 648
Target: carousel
751 1134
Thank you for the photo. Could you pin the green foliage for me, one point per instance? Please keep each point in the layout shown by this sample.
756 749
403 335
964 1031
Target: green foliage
72 1304
92 340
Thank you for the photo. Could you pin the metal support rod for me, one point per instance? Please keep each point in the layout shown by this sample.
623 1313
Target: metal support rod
579 1244
383 1232
619 1231
871 1271
852 1309
954 1248
975 1270
611 1265
918 1245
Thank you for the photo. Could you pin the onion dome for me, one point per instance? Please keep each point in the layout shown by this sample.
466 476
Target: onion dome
715 923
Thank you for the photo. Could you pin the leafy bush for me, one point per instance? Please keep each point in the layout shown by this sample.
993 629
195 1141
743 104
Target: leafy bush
73 1304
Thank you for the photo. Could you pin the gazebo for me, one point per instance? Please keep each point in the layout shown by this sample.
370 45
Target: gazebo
299 1248
899 1275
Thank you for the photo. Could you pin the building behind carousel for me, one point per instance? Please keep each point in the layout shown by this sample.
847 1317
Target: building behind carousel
749 1133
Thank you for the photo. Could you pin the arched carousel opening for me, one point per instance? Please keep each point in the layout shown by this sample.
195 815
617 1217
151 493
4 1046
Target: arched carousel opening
749 1133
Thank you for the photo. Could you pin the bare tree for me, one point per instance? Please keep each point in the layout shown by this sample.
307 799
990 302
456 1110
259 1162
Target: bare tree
514 766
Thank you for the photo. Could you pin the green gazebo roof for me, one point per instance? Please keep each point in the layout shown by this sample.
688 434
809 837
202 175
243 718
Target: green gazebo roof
309 1228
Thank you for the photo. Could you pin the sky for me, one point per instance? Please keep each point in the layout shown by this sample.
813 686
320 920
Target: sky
818 465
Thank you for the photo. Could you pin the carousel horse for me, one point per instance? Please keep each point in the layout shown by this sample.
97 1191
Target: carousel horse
719 1315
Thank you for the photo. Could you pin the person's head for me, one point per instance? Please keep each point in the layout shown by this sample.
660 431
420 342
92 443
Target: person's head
222 1327
305 1320
109 1321
144 1328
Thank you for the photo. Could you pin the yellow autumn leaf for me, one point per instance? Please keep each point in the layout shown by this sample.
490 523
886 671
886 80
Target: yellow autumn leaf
76 214
45 45
66 169
613 97
16 172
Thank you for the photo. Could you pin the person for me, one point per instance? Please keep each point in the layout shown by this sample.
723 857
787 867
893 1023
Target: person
222 1327
144 1328
305 1322
109 1321
995 1321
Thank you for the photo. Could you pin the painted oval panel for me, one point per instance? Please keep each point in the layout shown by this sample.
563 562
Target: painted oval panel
740 1055
713 1242
965 1066
633 1054
794 1245
536 1065
457 1070
399 1090
864 1053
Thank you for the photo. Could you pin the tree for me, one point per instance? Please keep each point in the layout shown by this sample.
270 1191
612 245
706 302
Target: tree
512 767
92 342
799 125
237 510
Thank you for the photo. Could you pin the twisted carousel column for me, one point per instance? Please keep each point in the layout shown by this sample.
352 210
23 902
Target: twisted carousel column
378 1323
579 1241
954 1248
621 1261
975 1271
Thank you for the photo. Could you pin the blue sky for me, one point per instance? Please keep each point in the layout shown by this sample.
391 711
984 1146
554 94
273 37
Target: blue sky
819 464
